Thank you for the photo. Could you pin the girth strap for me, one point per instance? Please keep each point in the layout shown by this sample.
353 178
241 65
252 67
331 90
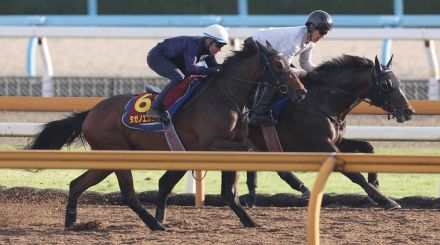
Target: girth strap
271 138
172 139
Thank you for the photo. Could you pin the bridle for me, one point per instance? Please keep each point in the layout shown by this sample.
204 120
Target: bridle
267 71
378 91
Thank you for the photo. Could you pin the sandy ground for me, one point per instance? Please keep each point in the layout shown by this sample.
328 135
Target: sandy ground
126 57
25 223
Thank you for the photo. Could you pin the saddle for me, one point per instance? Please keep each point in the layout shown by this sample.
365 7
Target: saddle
134 115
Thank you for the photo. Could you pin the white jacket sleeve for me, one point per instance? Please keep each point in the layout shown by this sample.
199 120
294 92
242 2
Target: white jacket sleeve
305 59
295 71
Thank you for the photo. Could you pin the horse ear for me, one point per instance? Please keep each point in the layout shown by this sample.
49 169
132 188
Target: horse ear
377 64
390 61
268 45
262 48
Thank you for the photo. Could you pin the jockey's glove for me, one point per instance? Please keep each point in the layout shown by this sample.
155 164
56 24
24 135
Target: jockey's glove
215 69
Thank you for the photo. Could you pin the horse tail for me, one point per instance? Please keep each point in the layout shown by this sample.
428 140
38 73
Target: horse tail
56 134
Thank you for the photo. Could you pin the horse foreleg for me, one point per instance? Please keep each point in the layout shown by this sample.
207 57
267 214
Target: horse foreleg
372 192
251 182
347 145
229 194
77 187
166 184
125 180
295 183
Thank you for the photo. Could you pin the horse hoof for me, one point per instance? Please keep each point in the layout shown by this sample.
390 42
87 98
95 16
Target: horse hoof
249 200
391 205
157 227
251 225
306 195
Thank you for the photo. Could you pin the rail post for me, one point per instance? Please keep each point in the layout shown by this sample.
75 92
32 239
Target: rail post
314 207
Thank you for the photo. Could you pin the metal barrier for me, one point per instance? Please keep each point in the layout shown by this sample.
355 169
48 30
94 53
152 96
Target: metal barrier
325 163
109 86
18 103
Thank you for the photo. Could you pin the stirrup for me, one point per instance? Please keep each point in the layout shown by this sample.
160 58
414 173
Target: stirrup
157 115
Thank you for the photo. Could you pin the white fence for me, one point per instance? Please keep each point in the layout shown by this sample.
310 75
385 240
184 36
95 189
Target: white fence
373 133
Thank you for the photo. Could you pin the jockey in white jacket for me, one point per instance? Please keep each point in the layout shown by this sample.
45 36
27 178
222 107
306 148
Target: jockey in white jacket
290 42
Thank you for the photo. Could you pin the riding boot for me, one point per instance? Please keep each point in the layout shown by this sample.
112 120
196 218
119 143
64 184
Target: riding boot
155 112
261 113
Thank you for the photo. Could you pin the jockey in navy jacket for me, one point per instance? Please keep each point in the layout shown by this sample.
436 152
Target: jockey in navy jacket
185 52
175 58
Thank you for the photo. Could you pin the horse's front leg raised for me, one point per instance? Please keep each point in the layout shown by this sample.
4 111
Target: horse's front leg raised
125 180
347 145
229 181
372 192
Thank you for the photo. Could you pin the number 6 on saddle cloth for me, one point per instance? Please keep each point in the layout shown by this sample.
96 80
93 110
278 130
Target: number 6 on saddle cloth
134 116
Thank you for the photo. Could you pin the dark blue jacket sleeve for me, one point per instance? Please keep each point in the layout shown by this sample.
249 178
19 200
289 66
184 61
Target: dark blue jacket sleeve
190 57
211 61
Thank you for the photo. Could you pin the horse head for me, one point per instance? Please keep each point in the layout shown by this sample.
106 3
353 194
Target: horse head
357 78
276 72
386 92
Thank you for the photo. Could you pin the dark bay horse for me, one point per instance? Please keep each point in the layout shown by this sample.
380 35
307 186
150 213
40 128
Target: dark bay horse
346 81
212 120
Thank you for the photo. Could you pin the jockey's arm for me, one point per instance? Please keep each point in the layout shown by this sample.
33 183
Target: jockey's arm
190 64
211 61
305 61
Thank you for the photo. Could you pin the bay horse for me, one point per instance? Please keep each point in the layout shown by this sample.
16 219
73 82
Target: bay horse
212 120
346 81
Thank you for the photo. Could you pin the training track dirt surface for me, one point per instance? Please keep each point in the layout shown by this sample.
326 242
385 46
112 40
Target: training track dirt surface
39 221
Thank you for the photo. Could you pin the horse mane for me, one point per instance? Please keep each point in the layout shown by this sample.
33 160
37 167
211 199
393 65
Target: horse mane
344 62
247 50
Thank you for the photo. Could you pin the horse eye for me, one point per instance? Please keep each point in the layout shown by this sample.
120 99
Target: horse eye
389 82
278 63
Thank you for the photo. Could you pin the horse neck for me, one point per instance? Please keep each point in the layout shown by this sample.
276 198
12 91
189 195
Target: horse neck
239 91
336 102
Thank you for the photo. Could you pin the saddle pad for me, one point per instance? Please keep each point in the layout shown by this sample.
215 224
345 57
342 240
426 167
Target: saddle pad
278 107
134 116
177 91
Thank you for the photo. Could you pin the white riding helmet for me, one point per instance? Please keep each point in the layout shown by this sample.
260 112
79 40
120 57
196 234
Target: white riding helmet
217 32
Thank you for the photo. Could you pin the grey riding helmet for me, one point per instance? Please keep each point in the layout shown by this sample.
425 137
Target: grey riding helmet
319 20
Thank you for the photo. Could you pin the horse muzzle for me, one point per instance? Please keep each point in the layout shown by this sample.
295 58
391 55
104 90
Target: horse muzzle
403 115
299 95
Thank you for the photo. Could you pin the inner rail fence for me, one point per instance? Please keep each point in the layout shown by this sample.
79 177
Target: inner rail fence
324 163
110 86
65 104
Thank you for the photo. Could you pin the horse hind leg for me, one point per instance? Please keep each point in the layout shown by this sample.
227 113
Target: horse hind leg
229 194
125 180
166 184
372 192
77 187
295 183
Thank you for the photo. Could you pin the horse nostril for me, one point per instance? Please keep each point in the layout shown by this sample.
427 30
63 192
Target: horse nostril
409 111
